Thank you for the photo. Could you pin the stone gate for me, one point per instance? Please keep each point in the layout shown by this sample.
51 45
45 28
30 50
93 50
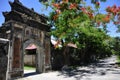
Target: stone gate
23 27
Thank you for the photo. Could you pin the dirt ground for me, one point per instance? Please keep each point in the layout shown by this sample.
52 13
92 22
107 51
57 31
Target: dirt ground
103 70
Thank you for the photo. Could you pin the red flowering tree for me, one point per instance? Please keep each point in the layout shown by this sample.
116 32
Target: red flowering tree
69 15
75 22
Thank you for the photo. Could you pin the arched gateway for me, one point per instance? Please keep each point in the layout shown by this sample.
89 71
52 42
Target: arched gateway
23 27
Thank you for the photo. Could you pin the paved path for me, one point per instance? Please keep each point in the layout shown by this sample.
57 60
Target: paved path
104 70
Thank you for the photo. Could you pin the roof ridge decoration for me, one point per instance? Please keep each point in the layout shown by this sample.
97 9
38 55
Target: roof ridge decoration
17 1
20 4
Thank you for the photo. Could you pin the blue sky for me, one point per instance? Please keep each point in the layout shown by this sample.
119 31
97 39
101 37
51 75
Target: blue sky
38 7
112 28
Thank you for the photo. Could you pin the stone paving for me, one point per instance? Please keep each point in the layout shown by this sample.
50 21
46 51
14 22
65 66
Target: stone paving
104 70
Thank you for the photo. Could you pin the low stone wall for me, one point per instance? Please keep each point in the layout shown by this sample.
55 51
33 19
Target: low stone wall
3 62
29 60
3 67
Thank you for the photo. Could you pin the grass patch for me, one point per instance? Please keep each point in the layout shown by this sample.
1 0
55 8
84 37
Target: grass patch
118 60
28 68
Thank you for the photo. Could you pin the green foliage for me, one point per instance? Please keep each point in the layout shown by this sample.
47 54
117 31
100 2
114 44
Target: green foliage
116 45
118 26
77 23
93 45
116 48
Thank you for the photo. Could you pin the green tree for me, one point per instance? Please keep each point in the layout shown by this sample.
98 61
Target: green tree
69 16
75 22
116 45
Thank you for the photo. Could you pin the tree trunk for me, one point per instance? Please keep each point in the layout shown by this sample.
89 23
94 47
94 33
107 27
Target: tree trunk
66 55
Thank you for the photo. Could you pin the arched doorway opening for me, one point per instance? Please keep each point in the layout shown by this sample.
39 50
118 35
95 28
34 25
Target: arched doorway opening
35 55
30 61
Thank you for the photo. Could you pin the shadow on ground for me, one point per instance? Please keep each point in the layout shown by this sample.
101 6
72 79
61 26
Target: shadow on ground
30 74
101 68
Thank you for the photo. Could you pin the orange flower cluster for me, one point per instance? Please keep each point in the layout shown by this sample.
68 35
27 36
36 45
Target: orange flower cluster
84 10
106 18
90 14
73 6
59 5
56 5
116 22
114 10
65 1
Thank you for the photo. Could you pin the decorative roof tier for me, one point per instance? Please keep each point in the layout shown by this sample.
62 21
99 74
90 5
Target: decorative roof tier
20 13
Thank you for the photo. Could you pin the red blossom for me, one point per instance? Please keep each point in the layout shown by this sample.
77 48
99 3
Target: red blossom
114 10
117 10
56 5
84 10
65 1
116 22
90 15
114 6
73 6
106 19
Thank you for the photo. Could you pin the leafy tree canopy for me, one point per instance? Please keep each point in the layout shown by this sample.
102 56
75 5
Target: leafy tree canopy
71 18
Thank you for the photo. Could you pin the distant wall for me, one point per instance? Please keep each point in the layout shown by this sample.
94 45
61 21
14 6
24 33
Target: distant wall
29 60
